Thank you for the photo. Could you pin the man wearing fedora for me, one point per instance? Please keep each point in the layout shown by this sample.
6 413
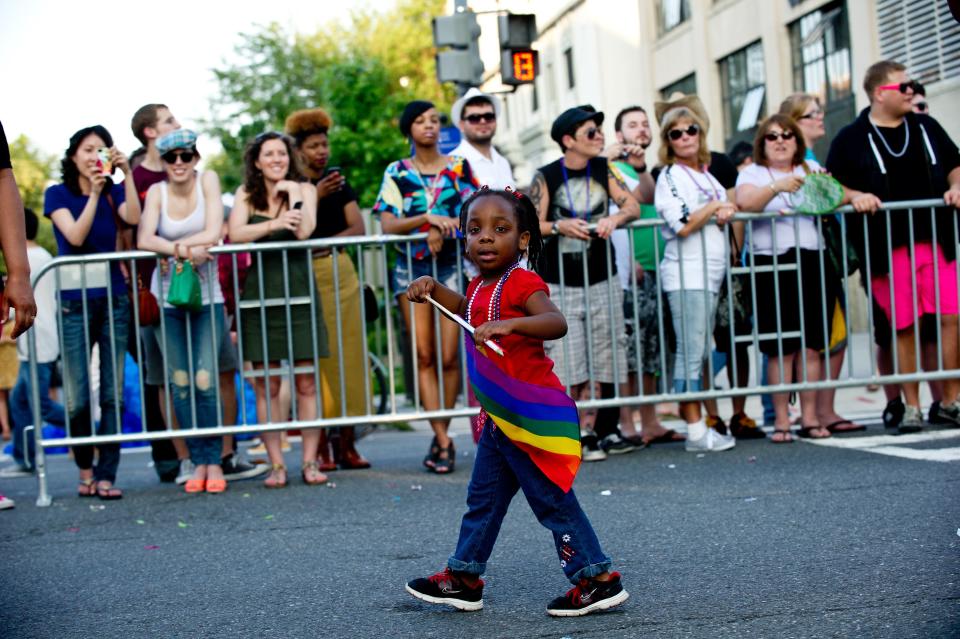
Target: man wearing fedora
573 196
476 114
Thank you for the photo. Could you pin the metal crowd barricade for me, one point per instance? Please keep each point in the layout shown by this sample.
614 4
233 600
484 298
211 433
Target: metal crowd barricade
381 354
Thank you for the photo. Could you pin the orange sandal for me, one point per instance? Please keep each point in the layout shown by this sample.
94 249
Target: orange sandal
195 485
216 485
277 478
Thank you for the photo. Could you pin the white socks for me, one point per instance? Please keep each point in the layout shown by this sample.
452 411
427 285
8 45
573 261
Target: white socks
697 430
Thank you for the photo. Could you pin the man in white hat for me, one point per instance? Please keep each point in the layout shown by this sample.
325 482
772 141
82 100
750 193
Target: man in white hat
476 114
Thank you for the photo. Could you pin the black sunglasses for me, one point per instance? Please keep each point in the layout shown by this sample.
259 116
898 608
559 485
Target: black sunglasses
773 136
676 134
477 118
903 87
591 133
170 157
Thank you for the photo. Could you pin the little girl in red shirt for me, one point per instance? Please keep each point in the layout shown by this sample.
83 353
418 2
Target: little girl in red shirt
510 305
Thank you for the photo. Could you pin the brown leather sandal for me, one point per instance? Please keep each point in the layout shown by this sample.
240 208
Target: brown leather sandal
310 471
273 480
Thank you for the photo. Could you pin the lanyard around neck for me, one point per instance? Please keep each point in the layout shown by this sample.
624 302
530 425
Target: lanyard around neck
713 196
566 184
433 187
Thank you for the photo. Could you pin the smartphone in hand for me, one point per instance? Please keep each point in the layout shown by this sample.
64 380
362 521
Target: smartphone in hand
104 161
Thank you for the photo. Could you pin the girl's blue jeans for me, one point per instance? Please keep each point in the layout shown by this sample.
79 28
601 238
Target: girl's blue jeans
105 322
192 341
500 469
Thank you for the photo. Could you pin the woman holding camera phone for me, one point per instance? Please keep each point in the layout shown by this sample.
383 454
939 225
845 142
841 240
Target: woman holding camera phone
338 215
85 210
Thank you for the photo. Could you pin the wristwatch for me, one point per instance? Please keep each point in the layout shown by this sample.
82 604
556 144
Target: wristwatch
555 229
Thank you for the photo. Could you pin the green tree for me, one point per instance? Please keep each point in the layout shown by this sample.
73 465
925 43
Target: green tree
33 170
361 72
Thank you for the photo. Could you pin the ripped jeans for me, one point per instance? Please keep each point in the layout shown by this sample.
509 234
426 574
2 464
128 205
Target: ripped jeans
191 344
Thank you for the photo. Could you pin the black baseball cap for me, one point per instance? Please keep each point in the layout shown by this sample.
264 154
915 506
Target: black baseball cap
572 118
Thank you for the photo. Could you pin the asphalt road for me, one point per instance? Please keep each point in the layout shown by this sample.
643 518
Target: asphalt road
762 541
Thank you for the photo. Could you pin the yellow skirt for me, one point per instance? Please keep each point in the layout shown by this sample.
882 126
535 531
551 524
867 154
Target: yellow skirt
347 337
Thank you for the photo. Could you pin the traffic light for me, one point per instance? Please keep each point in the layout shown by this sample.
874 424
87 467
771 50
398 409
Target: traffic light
461 63
519 62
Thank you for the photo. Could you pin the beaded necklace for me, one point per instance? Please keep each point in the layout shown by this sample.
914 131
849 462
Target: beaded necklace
715 195
493 309
493 315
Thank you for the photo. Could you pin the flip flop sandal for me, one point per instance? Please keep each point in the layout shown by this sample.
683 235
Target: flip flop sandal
807 432
786 437
108 492
87 488
833 428
669 437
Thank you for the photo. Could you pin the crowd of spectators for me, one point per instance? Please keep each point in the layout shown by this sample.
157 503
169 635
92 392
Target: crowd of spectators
650 308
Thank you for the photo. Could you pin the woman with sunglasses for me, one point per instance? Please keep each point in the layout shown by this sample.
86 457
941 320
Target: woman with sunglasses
805 110
793 244
423 194
182 218
694 262
86 210
273 205
338 215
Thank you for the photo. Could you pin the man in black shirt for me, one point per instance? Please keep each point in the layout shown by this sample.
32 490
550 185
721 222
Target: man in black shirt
572 194
897 154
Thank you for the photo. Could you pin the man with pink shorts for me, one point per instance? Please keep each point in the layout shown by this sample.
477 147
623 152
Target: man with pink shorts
900 155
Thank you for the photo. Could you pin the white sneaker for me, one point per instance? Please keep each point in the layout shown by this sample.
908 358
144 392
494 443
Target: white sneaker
6 502
712 442
186 471
591 450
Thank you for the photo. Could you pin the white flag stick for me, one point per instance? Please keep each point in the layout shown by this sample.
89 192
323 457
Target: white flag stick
462 322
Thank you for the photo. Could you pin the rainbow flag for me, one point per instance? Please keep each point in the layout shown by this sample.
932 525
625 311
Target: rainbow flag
541 421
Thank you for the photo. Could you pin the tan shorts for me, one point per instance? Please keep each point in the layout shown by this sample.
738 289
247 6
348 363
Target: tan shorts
574 362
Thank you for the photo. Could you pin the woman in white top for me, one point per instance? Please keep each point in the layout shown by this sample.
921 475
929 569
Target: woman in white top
694 261
183 217
795 245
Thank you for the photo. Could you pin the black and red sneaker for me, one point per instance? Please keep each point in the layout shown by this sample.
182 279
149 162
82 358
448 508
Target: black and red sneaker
448 588
589 596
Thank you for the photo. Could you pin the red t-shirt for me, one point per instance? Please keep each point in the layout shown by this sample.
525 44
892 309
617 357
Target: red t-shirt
525 359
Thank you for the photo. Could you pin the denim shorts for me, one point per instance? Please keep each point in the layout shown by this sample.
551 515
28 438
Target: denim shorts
401 277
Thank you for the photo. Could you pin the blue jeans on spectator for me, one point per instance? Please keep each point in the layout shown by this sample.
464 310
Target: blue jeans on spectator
192 344
499 470
693 324
21 414
76 379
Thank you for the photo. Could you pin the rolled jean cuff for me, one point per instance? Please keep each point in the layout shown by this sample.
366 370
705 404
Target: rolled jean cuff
472 568
590 571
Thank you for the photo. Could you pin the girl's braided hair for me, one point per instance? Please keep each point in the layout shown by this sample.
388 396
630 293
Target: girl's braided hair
527 218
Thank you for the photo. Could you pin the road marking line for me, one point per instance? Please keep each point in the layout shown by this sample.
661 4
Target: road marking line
935 455
885 440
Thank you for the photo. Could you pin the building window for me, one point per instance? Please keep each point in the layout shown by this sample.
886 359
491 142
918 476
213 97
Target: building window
672 13
742 79
568 58
686 85
921 34
820 42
